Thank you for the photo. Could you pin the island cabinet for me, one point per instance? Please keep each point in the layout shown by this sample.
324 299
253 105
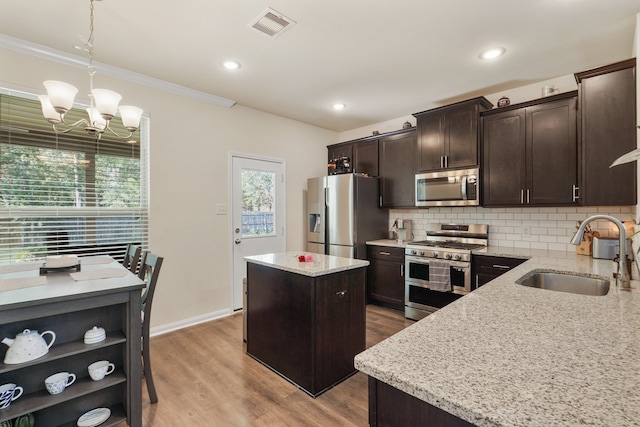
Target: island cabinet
607 130
385 276
390 407
69 317
306 326
448 136
530 153
397 169
485 268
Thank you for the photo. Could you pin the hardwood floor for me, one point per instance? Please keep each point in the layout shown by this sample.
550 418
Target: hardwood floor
204 378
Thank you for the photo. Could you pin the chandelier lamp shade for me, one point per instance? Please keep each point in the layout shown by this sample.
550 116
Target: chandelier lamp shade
103 102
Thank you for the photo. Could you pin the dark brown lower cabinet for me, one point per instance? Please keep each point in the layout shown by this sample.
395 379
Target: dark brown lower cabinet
385 276
306 329
485 268
390 407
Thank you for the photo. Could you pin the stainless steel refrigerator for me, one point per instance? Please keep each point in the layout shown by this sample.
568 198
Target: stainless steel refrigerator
343 213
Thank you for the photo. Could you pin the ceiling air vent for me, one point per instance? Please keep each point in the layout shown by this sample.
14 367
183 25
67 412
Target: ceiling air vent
272 23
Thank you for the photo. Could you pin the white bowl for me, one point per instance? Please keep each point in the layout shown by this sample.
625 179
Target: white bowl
94 335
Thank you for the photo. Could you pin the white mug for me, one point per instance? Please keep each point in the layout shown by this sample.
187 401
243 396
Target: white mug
56 383
99 370
9 393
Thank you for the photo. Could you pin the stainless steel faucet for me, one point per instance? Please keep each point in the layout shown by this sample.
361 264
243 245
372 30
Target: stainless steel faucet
622 261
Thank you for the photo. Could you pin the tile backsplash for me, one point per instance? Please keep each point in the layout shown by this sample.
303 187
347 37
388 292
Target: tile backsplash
532 228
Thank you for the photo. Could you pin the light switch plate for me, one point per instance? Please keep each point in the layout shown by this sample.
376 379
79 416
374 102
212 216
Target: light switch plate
221 208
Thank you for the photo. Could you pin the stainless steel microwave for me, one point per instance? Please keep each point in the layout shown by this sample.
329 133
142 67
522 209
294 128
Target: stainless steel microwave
448 188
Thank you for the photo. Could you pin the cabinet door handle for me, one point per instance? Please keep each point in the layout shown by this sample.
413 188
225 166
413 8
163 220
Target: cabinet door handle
501 267
446 161
522 197
380 201
401 270
385 253
528 197
576 194
442 161
477 282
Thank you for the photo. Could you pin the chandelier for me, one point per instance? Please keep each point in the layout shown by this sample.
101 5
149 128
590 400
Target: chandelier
103 107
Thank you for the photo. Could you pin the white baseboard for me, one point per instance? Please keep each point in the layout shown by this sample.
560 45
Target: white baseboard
170 327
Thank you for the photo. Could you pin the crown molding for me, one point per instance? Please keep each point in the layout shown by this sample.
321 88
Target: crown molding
77 61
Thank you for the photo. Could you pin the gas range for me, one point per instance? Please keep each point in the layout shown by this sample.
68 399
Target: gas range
438 269
450 241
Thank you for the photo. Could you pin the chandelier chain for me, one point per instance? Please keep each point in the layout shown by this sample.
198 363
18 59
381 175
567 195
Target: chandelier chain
103 102
89 49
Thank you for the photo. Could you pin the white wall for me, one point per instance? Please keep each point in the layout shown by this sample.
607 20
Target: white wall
190 145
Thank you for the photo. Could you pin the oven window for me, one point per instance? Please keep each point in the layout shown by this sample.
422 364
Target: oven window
457 276
431 298
418 271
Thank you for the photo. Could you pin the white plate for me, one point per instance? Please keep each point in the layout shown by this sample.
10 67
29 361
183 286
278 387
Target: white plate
94 418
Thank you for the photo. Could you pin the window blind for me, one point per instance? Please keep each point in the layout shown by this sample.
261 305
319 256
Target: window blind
68 193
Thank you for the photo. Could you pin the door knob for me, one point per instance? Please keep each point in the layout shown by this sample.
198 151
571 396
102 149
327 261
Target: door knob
238 241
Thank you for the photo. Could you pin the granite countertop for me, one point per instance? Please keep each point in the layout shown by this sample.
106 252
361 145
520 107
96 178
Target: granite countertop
388 242
510 355
321 264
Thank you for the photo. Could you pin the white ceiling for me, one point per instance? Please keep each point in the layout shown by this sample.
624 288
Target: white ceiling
383 58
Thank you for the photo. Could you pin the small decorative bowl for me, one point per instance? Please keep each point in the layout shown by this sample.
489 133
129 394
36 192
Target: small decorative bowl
94 335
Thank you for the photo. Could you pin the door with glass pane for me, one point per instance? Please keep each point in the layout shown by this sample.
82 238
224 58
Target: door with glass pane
258 214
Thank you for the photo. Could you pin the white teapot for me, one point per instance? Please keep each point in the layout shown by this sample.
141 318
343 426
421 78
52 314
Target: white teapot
28 345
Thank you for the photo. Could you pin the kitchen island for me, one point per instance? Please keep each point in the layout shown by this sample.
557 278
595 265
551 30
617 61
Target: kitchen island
306 320
510 355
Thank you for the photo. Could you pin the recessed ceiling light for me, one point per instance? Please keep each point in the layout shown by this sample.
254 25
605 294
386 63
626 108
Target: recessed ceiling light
338 106
231 65
492 53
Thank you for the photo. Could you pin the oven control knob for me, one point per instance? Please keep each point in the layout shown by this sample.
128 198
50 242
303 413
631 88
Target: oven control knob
412 251
420 253
435 254
457 257
448 256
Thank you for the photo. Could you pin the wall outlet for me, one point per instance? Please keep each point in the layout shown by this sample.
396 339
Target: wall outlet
221 209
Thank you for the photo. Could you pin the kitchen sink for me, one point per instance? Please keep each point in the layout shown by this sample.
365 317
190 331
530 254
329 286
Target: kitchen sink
565 282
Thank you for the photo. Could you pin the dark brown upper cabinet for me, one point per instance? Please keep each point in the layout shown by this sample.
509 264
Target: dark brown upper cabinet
365 157
448 136
607 130
363 154
389 156
397 169
530 153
